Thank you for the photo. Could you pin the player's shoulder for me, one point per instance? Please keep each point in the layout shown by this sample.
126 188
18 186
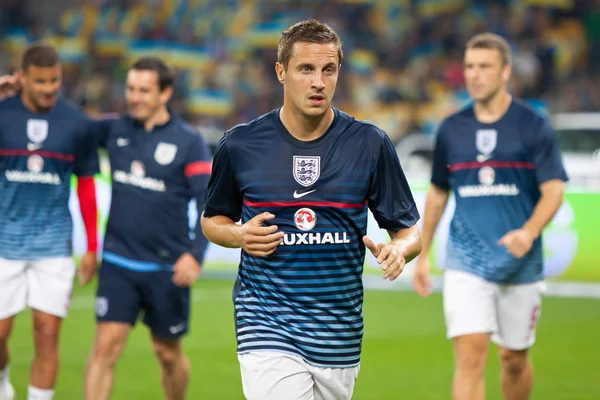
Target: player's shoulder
464 115
365 128
526 114
10 103
244 132
183 128
187 133
70 110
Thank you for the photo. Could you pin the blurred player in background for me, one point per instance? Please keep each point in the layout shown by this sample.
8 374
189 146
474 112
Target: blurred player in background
501 160
302 178
158 163
43 140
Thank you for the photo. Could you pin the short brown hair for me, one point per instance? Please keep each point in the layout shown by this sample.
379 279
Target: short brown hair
41 55
166 75
493 42
310 31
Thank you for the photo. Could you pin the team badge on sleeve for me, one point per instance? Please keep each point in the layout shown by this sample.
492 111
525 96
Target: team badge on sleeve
37 130
486 140
307 170
165 153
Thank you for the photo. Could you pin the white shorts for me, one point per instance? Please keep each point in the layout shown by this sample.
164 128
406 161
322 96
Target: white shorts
269 375
509 312
44 285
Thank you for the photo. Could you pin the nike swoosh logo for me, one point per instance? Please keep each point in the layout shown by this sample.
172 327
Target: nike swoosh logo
483 157
298 195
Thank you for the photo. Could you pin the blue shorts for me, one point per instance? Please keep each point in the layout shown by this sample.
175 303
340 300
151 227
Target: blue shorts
122 293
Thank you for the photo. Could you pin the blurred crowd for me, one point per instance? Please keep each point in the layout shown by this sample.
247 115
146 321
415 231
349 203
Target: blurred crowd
402 66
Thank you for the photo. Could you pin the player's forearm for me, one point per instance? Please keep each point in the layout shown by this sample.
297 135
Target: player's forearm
199 244
222 231
546 207
435 205
408 241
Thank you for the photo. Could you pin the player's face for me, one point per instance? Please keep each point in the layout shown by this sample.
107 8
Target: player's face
485 73
41 85
143 95
310 78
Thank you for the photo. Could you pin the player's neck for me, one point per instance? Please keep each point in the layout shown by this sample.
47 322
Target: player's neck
303 128
493 109
161 117
30 104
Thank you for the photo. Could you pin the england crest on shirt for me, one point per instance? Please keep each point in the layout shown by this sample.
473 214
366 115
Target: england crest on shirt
37 130
165 153
486 140
307 169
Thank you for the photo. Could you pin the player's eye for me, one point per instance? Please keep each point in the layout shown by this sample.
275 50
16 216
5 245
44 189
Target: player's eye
305 68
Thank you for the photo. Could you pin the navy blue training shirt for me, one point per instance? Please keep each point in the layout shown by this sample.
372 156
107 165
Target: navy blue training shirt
306 298
39 151
155 175
495 171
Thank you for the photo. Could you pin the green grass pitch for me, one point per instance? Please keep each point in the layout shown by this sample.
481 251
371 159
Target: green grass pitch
405 353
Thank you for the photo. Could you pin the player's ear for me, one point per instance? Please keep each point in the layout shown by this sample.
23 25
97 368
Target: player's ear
506 73
166 94
280 71
20 76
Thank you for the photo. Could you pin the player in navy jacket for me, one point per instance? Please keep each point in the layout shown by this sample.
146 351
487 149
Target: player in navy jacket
301 179
501 160
158 164
44 139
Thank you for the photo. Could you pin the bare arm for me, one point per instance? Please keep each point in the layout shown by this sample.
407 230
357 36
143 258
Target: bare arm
255 238
519 241
545 209
222 231
437 198
407 241
393 256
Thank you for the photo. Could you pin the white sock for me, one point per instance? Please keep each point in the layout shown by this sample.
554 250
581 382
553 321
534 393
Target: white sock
34 393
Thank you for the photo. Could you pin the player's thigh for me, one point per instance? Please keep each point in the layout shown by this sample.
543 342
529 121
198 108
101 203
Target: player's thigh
166 305
268 375
118 298
49 284
469 304
519 309
334 383
13 287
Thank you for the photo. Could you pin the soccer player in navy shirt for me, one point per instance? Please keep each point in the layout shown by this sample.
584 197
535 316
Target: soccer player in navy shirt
301 179
43 140
158 164
501 160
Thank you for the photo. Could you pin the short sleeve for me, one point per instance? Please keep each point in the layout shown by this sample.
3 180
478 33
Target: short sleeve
546 155
86 157
390 197
223 196
198 165
439 173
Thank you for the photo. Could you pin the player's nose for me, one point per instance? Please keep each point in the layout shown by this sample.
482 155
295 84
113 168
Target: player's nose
318 81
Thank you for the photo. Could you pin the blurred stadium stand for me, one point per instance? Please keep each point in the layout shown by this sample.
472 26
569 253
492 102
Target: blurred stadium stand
402 67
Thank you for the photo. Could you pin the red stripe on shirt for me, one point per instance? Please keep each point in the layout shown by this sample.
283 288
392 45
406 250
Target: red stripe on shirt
493 164
86 191
41 153
303 203
198 168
